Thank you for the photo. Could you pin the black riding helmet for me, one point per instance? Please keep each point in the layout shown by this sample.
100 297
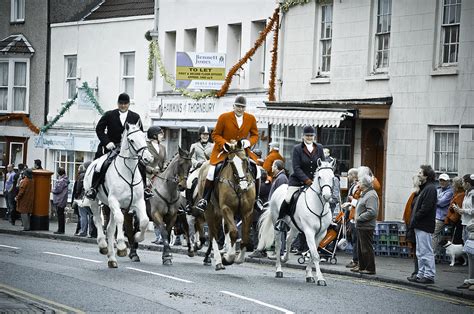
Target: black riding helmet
153 132
204 130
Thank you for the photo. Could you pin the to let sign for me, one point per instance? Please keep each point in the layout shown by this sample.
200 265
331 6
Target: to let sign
200 70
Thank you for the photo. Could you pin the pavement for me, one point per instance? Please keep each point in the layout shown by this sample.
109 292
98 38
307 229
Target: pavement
389 269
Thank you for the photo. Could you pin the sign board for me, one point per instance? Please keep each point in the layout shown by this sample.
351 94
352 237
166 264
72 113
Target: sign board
204 70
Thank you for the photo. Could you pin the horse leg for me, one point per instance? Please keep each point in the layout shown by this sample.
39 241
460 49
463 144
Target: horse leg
319 275
191 233
140 210
117 217
244 244
229 256
314 258
96 217
207 257
188 237
279 271
111 227
291 236
166 256
129 228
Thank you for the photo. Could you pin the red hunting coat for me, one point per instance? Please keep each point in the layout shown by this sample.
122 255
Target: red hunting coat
227 129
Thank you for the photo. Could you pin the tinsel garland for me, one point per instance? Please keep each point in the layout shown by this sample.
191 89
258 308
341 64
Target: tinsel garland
24 118
248 55
285 6
271 88
90 95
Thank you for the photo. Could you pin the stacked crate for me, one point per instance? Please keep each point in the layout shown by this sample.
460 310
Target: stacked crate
381 240
405 246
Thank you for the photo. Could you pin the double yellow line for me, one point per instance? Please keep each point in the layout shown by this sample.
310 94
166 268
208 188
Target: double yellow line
20 294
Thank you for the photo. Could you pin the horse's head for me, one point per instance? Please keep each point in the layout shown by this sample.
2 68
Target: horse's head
134 141
183 167
324 178
239 162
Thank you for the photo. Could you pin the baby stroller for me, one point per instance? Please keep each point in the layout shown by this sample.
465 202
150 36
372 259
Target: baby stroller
335 238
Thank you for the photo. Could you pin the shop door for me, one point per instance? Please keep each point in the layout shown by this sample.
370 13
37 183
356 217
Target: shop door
373 154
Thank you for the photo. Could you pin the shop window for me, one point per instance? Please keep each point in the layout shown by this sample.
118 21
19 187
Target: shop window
70 161
12 151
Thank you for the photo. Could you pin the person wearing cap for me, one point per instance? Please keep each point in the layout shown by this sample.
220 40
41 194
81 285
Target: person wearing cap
273 155
305 162
445 195
109 130
467 220
234 125
26 198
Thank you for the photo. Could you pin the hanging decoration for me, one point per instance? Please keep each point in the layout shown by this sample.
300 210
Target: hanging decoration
24 118
155 54
272 83
248 55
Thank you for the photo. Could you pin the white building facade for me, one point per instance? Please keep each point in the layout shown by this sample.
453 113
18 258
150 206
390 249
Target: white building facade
228 27
110 55
405 69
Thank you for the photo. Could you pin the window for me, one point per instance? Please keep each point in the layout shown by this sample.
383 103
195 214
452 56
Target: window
257 66
128 73
14 80
190 40
382 35
71 76
450 24
325 40
12 151
211 39
445 149
234 51
70 161
17 11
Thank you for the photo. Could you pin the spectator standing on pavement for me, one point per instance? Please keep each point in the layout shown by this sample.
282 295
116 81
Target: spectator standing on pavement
60 192
467 219
273 155
9 191
453 218
85 214
37 165
354 186
423 223
16 183
25 198
365 218
445 195
410 234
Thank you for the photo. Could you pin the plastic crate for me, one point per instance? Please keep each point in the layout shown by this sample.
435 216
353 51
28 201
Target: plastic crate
405 250
404 255
382 248
394 248
382 253
381 226
402 238
403 244
402 228
391 243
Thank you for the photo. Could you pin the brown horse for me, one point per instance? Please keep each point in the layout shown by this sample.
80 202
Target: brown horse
234 196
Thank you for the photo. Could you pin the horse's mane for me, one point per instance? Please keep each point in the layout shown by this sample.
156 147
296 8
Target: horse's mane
171 161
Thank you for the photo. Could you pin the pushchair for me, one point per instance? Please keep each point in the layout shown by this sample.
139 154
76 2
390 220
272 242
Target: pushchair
335 238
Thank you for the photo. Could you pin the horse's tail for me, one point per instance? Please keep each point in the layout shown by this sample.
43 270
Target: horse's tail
266 233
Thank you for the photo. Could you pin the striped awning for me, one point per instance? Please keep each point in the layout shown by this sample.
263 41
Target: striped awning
320 118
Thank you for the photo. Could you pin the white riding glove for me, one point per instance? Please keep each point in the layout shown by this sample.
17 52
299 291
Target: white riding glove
110 146
245 143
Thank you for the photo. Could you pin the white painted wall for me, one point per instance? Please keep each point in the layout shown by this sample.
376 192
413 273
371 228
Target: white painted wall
420 99
98 45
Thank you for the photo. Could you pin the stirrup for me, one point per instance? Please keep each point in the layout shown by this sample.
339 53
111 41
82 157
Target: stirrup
282 226
91 194
147 194
202 204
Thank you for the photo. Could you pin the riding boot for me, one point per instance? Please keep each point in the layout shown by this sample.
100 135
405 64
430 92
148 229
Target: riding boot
96 181
202 204
147 193
281 224
189 200
258 203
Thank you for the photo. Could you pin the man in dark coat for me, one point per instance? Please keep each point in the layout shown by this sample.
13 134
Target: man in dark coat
305 162
423 222
109 130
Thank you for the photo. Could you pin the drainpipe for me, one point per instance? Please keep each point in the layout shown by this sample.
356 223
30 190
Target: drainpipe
48 63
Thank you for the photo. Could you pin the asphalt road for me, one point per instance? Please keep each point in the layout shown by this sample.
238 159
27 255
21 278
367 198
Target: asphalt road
73 277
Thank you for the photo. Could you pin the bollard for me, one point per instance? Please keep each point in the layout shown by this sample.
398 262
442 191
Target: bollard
40 216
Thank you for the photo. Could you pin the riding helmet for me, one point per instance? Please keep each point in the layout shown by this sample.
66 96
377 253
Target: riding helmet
309 130
153 132
240 100
204 130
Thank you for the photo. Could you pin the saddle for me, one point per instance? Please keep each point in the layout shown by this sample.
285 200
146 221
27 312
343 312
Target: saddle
294 200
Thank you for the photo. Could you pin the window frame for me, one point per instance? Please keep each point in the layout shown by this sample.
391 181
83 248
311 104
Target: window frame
123 77
69 79
438 66
14 5
56 153
380 35
442 30
11 85
319 39
446 130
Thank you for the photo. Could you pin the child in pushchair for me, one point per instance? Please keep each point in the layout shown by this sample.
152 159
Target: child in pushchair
335 238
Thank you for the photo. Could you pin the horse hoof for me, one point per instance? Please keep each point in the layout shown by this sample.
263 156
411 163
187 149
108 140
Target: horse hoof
103 250
167 262
226 262
322 283
207 261
220 267
135 258
279 274
191 254
310 280
122 253
112 264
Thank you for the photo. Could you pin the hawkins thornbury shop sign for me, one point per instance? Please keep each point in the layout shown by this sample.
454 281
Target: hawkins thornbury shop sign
200 70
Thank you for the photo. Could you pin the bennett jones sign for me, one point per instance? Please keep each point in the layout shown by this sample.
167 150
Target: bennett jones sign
200 70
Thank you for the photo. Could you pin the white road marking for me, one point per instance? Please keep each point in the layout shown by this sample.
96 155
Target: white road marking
158 274
258 302
73 257
10 247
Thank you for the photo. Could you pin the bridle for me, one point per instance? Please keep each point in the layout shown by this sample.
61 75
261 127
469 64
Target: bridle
138 152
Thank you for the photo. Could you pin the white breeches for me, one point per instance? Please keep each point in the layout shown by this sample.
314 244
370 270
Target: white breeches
212 168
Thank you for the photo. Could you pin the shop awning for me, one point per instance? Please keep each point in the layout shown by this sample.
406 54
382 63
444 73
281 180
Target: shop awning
320 118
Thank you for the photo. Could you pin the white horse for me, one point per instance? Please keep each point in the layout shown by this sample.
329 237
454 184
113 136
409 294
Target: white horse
122 189
312 216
